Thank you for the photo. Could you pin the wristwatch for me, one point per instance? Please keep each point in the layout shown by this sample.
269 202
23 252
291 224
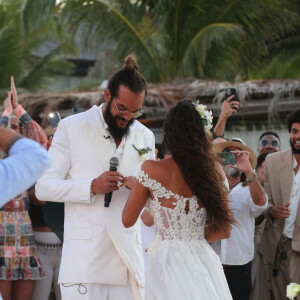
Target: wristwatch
252 179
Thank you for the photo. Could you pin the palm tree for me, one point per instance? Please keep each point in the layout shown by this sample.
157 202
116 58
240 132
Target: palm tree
31 42
186 38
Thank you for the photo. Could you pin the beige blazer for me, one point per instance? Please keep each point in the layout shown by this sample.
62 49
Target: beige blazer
97 247
277 184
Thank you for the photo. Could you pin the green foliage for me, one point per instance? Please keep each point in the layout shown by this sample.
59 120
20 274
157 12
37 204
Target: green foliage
225 39
31 42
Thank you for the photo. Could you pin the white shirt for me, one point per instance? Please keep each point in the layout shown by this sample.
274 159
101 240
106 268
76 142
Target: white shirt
289 223
239 248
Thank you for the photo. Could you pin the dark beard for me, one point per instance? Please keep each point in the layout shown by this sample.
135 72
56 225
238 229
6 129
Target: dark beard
111 121
294 150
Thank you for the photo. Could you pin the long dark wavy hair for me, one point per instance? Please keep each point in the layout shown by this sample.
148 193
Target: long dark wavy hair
191 148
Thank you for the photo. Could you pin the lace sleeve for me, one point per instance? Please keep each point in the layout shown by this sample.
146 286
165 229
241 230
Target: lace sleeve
151 184
143 178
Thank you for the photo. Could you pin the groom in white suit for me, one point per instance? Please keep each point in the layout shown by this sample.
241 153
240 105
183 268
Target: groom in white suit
101 259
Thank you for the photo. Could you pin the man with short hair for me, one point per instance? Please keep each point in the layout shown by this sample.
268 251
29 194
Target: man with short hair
101 259
247 201
269 142
260 168
280 245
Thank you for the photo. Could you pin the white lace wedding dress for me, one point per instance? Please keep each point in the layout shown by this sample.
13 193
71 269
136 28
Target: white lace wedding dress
181 265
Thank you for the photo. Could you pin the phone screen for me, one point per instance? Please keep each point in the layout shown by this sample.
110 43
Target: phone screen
54 118
229 93
227 158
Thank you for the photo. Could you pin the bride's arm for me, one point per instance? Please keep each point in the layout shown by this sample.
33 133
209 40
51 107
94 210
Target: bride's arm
137 200
210 232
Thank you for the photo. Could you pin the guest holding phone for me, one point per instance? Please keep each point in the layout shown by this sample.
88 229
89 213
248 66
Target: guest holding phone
247 201
229 106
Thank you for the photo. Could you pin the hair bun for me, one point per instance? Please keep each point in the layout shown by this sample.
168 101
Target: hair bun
130 63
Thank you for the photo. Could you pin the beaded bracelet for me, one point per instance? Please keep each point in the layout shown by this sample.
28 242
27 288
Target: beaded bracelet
91 187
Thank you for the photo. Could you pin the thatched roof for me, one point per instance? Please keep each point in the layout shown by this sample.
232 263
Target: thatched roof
265 101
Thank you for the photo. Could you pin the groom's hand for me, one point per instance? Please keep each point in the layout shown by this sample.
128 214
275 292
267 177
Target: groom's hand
107 182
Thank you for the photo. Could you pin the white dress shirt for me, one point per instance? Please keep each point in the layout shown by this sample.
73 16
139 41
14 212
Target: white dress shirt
289 224
239 248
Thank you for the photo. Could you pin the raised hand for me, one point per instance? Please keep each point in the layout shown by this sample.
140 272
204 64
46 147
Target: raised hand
107 182
242 161
14 95
281 212
229 107
7 103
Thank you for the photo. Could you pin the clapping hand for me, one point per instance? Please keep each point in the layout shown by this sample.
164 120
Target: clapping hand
7 103
14 95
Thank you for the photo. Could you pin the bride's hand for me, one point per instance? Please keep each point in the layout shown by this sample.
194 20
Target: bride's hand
129 182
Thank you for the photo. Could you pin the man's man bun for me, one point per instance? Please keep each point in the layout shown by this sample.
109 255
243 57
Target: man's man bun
130 63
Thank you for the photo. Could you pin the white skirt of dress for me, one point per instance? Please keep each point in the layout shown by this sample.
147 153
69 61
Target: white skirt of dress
178 270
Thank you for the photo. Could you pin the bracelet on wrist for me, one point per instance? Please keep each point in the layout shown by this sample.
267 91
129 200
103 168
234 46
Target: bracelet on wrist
252 179
7 112
217 136
91 188
19 111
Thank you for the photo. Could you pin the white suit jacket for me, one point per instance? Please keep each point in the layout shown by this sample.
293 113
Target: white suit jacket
97 247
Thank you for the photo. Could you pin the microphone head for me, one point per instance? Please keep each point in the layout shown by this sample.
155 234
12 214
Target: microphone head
114 162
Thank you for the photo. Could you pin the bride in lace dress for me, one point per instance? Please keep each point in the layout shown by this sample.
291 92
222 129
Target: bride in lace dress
188 199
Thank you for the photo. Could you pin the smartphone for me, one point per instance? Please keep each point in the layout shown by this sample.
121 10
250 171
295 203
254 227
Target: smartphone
227 158
230 92
54 118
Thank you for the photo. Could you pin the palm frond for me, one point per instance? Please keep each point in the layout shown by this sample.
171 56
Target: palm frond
199 46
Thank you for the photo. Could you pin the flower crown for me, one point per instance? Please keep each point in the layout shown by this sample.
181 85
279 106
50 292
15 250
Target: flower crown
206 116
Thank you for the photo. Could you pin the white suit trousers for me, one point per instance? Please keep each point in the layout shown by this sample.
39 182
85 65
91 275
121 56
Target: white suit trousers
87 291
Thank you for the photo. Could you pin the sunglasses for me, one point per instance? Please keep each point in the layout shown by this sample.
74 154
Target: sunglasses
273 143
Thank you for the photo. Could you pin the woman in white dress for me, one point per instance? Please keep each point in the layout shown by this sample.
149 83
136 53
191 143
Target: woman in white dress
189 204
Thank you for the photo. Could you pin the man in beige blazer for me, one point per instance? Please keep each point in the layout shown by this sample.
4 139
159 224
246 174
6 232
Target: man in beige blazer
101 259
280 245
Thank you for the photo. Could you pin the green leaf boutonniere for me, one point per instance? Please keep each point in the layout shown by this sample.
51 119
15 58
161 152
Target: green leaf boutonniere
143 153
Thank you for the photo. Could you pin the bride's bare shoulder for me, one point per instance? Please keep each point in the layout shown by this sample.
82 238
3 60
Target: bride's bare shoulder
156 167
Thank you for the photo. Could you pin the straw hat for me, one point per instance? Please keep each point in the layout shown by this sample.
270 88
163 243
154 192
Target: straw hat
237 143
